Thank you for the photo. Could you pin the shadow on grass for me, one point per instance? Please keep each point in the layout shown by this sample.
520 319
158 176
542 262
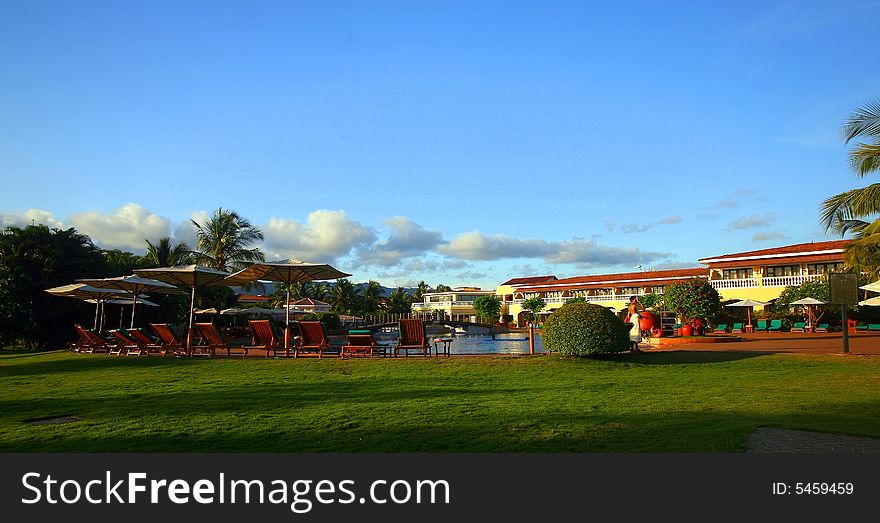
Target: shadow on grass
673 431
681 357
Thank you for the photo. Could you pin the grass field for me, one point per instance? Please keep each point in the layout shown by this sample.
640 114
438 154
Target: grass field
660 402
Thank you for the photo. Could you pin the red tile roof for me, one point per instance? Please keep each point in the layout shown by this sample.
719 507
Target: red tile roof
797 250
252 298
529 280
627 279
308 301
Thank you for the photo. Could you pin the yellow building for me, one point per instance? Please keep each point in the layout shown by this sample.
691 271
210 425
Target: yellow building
610 290
763 274
455 305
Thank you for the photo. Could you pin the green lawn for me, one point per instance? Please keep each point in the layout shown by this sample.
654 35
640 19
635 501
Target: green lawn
661 402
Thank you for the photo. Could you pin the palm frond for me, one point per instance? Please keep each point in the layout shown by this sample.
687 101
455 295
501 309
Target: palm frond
865 158
865 121
850 205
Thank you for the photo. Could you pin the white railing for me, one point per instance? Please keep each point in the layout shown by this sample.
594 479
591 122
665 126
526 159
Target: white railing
741 283
784 281
422 305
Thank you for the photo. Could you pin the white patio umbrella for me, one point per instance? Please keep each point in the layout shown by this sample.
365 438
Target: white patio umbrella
122 302
87 292
135 285
749 304
192 276
873 287
286 272
809 303
871 302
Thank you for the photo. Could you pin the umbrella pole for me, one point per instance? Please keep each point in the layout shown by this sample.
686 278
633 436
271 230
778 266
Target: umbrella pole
97 308
286 327
134 304
189 332
121 310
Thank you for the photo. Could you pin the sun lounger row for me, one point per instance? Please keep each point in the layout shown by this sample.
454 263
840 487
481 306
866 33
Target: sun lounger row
312 341
772 326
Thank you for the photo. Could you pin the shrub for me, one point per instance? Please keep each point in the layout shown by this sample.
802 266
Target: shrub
584 329
692 299
330 320
488 308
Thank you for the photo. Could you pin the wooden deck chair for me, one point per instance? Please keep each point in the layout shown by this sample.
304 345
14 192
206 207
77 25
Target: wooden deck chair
737 327
775 326
799 326
148 343
263 337
822 327
168 340
96 342
313 339
127 343
412 337
81 343
212 340
360 344
720 328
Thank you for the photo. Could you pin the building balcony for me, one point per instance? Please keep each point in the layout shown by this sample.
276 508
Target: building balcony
769 281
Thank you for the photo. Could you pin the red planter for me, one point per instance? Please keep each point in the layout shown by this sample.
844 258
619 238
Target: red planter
687 330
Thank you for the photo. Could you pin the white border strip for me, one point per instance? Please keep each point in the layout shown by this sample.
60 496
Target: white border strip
770 256
608 282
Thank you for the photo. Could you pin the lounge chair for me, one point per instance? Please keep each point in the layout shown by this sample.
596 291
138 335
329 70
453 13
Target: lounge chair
168 340
81 343
775 326
761 326
212 341
412 337
799 326
312 339
874 326
263 337
822 327
360 343
96 342
128 343
149 344
861 327
720 328
737 327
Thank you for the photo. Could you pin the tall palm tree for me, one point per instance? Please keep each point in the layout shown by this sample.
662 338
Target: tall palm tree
163 254
855 211
344 297
421 289
222 241
399 301
370 296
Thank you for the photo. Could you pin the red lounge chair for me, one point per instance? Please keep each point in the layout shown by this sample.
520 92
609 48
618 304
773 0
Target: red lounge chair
81 343
96 343
312 339
360 345
149 344
167 340
212 340
412 337
127 342
263 337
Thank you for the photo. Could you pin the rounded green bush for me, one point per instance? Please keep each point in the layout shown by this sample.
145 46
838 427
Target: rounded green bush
584 329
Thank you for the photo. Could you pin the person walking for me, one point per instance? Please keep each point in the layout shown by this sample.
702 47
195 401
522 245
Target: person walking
635 333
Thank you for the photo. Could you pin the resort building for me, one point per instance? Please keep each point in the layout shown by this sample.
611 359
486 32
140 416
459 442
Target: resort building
310 305
456 305
763 274
610 290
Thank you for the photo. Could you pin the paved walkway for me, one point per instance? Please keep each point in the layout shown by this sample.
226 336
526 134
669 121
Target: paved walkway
766 440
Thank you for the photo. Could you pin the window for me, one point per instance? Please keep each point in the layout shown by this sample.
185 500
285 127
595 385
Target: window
630 291
823 268
736 274
783 270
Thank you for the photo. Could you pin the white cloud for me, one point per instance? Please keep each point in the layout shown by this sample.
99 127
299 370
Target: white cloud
765 236
31 217
125 228
324 237
751 222
635 227
586 253
405 240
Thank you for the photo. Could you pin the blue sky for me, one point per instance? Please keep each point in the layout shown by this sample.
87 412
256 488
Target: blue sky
457 143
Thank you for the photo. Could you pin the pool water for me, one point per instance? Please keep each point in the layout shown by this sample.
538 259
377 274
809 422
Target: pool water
510 343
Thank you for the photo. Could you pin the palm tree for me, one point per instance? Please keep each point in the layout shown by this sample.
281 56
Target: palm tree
399 301
421 289
370 295
344 297
222 241
852 211
163 254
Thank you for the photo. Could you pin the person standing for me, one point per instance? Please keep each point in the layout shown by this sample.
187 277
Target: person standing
635 333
